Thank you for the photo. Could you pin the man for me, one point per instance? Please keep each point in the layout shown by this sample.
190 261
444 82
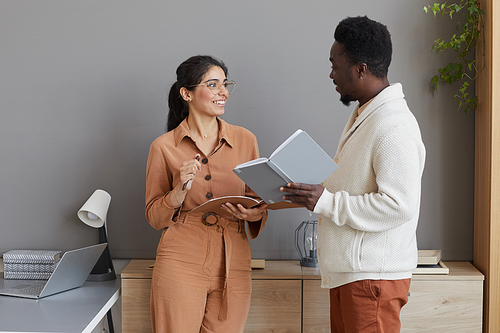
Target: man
368 209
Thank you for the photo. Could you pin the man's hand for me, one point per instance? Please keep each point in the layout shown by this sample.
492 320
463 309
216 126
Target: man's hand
305 195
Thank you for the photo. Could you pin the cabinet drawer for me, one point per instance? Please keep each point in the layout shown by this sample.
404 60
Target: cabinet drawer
276 306
316 311
136 316
443 306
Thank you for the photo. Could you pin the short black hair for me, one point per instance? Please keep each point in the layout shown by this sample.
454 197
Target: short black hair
366 41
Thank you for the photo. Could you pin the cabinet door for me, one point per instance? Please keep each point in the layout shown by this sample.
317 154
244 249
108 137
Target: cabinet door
275 307
136 316
316 311
443 306
433 306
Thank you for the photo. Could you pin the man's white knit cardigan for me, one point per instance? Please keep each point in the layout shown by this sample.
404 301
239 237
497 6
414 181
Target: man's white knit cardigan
369 210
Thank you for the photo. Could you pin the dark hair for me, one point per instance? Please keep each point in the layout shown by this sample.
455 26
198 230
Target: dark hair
366 41
189 74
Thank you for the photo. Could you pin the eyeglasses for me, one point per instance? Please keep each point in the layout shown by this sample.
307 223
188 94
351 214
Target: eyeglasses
216 86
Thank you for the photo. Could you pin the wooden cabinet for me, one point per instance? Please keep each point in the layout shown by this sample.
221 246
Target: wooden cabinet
437 303
276 298
445 303
288 298
136 290
316 310
275 307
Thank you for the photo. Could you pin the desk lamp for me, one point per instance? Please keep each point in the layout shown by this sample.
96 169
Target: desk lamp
306 245
93 213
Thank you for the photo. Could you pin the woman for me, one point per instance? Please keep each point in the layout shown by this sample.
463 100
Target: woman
202 276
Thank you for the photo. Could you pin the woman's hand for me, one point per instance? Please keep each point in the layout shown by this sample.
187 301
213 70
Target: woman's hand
188 171
249 214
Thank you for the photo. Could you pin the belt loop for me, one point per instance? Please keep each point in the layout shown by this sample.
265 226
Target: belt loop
181 217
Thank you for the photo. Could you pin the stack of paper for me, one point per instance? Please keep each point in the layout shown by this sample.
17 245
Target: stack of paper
429 262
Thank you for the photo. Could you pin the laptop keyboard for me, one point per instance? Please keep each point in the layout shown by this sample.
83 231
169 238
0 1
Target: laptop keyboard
27 291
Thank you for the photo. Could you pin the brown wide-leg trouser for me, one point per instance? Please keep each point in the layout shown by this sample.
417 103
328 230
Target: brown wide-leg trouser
190 292
368 306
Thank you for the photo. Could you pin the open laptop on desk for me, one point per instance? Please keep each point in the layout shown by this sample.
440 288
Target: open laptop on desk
71 272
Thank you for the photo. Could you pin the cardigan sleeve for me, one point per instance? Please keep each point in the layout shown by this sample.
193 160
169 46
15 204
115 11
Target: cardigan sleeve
398 166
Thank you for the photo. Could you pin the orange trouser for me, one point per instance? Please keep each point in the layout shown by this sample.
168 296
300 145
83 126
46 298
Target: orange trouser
189 292
368 306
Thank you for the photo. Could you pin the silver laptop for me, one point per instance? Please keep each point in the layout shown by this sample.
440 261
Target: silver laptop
71 272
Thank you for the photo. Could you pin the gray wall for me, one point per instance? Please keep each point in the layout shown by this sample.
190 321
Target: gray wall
83 88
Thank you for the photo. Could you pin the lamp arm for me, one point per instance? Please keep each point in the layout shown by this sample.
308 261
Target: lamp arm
103 238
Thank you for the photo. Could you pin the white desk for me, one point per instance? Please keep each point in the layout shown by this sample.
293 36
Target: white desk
77 310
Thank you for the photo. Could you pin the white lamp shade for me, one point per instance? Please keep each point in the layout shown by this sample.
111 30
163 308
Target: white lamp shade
95 209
